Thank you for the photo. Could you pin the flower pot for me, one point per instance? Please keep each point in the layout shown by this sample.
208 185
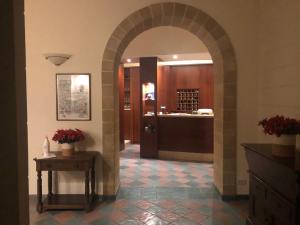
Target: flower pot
67 149
284 146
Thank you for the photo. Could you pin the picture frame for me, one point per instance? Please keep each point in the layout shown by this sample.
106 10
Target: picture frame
73 96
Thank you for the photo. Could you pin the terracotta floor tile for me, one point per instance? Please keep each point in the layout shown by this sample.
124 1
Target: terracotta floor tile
156 192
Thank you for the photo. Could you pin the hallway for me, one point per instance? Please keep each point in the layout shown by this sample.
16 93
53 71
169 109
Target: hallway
156 192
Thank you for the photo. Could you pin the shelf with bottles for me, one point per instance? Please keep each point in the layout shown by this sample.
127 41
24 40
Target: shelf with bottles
148 91
127 100
127 94
187 99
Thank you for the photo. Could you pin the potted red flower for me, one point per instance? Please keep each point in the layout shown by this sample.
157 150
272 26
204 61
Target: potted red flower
285 130
66 138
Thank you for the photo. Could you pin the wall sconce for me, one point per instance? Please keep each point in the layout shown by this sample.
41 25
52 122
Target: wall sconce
57 59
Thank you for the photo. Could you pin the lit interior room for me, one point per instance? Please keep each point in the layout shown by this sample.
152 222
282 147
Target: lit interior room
166 96
150 112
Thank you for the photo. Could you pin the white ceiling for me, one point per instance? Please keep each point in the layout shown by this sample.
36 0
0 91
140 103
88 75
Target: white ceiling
164 42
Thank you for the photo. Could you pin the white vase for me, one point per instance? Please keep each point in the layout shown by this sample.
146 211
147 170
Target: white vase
287 140
284 146
46 147
67 149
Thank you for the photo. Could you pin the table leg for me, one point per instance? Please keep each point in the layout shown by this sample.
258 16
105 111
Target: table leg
93 182
87 189
39 206
50 184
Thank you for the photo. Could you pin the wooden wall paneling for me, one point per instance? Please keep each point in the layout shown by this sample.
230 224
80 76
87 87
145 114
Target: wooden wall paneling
162 91
121 106
185 134
194 76
148 141
127 124
127 111
135 97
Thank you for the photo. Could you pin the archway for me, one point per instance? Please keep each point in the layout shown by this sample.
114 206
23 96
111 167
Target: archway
225 83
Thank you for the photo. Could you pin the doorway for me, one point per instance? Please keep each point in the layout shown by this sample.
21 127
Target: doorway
182 92
225 71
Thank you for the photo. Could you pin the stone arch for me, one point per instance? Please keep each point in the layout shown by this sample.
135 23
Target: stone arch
225 84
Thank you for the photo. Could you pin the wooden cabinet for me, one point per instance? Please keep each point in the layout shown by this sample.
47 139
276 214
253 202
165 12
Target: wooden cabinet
185 134
274 197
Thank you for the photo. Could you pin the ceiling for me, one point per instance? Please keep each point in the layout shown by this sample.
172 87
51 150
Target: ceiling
165 42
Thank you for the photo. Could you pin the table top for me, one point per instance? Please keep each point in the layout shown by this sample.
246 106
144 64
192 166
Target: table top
77 156
265 150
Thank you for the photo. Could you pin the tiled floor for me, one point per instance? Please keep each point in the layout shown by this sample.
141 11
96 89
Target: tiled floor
155 192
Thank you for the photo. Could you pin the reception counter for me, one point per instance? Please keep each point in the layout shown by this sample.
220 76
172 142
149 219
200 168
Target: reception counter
185 136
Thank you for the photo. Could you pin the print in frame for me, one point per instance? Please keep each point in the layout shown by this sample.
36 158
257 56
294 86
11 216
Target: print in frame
73 96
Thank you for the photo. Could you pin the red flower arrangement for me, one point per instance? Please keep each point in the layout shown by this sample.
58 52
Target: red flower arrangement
68 136
279 125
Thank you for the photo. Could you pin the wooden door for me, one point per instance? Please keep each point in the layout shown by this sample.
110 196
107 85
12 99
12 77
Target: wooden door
135 101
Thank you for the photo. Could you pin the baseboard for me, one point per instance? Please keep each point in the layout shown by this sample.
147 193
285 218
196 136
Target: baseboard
33 197
111 197
108 197
186 156
235 197
232 197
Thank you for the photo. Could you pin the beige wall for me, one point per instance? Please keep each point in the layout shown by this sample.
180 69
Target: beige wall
82 28
279 59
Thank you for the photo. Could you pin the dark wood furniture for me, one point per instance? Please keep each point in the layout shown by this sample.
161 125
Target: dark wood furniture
80 161
274 187
185 134
148 111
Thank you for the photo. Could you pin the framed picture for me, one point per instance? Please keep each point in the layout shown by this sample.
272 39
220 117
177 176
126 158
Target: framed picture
73 96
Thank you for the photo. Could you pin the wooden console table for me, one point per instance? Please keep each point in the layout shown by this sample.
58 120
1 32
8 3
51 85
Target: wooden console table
274 187
80 161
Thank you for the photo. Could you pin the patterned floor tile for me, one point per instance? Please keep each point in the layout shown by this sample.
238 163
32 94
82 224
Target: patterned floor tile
156 192
156 221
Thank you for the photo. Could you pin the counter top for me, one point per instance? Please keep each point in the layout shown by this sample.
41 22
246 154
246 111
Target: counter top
185 115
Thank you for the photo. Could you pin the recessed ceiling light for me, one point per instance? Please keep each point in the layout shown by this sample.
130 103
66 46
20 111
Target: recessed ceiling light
129 60
175 56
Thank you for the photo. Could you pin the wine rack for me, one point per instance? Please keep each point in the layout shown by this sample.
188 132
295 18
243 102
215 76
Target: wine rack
126 91
187 99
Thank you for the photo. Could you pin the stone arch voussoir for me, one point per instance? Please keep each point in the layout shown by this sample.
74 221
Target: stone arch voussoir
220 47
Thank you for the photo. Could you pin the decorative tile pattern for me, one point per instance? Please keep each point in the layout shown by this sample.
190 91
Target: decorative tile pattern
156 192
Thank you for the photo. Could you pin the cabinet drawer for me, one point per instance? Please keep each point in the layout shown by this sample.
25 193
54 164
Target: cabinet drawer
64 166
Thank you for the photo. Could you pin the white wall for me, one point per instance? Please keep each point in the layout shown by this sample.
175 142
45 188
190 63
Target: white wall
82 28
